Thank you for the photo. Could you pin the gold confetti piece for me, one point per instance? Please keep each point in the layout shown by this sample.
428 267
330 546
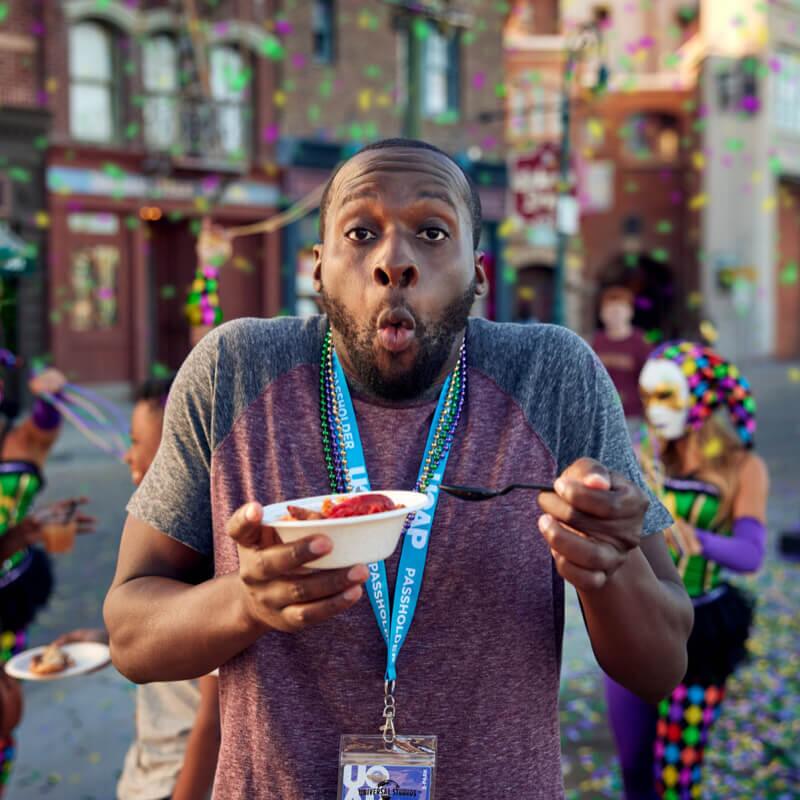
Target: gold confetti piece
365 99
713 448
708 331
768 204
279 98
694 300
506 227
698 160
94 758
51 85
42 219
794 374
698 201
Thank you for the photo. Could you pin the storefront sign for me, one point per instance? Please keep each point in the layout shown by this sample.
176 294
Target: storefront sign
122 185
534 184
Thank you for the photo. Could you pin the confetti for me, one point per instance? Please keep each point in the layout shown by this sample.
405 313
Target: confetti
793 374
3 12
708 331
788 274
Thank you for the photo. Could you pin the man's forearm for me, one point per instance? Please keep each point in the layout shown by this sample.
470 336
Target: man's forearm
639 626
165 630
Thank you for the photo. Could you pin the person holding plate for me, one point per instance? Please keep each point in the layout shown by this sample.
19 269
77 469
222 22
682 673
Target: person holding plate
455 658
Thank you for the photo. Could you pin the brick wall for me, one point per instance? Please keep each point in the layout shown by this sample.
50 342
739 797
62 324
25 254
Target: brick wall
355 97
20 38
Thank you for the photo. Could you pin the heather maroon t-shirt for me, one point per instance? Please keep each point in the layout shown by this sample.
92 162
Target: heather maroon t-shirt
480 667
624 360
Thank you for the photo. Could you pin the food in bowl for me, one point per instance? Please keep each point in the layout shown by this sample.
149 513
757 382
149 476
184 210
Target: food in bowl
359 505
50 661
363 528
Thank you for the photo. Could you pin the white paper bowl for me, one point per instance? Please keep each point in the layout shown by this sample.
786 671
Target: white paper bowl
356 540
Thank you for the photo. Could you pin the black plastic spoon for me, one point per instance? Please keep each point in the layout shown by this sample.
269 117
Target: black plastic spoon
477 493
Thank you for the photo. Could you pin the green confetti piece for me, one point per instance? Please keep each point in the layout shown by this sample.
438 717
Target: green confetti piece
509 275
3 12
195 226
19 174
631 187
500 90
372 71
672 60
660 254
734 145
774 165
103 4
130 67
314 112
789 274
664 226
421 28
40 143
160 371
468 38
132 130
167 292
131 222
113 170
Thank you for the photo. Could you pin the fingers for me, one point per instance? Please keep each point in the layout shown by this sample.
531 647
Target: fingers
582 579
308 589
588 472
281 559
587 554
245 527
622 500
301 616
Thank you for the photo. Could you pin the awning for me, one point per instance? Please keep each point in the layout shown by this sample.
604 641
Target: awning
17 257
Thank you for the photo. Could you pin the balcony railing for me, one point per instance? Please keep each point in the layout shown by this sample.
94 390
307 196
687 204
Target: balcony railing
211 132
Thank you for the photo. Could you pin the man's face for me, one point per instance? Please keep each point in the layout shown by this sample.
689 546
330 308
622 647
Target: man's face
397 271
616 314
146 423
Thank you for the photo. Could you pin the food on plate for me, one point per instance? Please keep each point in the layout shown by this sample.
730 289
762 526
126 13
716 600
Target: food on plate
357 505
50 661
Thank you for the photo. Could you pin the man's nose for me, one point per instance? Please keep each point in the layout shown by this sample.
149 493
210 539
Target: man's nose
398 276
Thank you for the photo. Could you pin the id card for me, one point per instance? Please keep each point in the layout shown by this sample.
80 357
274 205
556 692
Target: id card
370 769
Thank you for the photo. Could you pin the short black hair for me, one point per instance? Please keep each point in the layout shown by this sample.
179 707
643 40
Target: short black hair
154 391
473 201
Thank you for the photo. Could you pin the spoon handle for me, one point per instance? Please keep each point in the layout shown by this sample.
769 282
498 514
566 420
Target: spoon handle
540 487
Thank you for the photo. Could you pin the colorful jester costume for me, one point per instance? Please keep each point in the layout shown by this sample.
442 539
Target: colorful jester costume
668 743
25 577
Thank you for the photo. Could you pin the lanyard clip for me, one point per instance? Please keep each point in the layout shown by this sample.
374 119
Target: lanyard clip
389 712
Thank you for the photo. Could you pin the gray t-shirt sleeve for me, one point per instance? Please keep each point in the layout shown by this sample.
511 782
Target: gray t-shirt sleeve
606 438
174 496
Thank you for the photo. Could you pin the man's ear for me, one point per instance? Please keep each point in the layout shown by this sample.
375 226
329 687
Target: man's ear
317 274
481 281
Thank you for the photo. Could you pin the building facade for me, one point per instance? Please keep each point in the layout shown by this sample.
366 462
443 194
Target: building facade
147 139
632 110
24 122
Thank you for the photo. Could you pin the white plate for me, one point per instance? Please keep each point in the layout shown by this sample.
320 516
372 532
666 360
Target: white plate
88 656
356 540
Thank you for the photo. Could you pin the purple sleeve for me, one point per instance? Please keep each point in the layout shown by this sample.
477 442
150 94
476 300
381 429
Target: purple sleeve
44 416
742 552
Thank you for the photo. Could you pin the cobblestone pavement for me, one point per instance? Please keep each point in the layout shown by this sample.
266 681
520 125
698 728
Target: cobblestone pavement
75 733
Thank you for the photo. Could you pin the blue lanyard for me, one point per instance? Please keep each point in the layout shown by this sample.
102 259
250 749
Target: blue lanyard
415 545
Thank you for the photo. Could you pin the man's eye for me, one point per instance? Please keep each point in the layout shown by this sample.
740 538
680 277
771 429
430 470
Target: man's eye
433 235
664 395
360 235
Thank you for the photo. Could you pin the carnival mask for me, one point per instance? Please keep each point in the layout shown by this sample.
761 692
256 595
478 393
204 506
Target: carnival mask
665 397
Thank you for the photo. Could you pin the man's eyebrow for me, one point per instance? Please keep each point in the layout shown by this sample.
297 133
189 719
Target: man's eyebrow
432 194
359 194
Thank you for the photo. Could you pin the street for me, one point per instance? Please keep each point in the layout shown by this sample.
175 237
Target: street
74 736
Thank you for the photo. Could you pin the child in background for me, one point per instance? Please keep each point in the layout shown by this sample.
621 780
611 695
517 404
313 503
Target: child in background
177 723
622 348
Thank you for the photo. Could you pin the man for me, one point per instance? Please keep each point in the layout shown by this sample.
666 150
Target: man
301 659
621 347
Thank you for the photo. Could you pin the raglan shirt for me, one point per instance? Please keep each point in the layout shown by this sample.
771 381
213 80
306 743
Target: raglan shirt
480 667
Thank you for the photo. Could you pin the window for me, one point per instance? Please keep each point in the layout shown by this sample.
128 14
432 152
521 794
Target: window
160 74
229 80
440 70
323 21
92 90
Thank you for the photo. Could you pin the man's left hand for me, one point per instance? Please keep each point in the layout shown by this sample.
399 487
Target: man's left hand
591 522
49 381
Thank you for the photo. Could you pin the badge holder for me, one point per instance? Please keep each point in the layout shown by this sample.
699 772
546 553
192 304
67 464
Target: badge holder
374 767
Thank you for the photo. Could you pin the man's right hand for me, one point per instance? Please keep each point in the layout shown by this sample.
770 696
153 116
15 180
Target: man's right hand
279 594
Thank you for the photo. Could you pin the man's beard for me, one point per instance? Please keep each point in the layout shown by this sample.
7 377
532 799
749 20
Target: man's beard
435 340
